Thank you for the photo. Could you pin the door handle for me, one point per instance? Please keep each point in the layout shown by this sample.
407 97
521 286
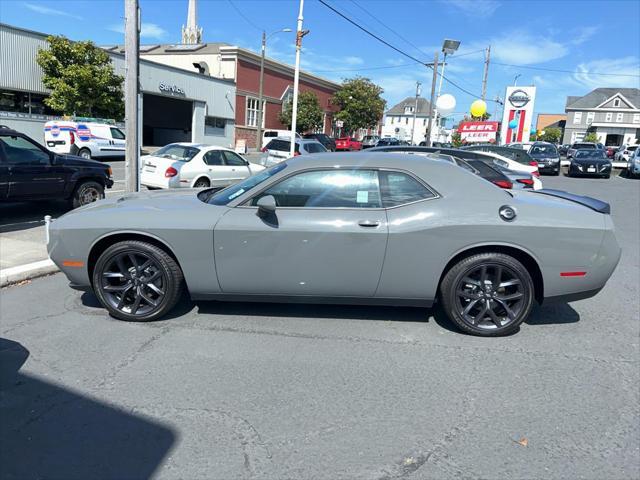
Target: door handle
369 223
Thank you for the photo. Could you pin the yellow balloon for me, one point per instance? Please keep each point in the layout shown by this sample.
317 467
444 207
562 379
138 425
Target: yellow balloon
478 108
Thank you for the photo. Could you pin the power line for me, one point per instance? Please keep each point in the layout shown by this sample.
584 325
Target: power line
567 71
386 26
401 52
246 19
381 67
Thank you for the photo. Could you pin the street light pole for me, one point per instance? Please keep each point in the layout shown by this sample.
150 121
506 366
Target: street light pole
132 45
296 79
260 96
433 94
515 79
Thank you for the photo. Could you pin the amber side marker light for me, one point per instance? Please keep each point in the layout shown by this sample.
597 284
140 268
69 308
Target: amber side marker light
72 263
573 274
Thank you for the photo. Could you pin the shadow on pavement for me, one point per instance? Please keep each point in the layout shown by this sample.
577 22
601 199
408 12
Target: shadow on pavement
26 215
553 314
47 431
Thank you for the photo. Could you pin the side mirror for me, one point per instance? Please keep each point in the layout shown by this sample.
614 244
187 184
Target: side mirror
266 206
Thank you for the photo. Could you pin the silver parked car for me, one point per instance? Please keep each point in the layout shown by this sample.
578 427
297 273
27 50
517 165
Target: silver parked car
279 149
377 228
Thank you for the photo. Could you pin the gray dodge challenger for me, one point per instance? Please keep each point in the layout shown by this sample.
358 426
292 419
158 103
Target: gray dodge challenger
388 229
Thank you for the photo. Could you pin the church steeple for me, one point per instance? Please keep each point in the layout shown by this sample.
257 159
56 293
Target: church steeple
191 33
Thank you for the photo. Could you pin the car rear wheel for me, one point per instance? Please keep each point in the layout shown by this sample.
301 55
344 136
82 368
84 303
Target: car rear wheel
86 193
488 294
85 153
137 281
202 183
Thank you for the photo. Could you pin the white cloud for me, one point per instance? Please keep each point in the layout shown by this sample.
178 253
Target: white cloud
353 60
147 30
474 8
582 34
627 69
518 48
62 12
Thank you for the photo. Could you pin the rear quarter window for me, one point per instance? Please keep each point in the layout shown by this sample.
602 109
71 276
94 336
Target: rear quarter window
398 188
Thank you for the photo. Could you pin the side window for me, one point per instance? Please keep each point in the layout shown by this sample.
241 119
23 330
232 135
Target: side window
327 189
233 159
21 151
116 133
399 189
213 157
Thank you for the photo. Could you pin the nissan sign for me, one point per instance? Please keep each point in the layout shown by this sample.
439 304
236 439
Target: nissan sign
519 98
171 89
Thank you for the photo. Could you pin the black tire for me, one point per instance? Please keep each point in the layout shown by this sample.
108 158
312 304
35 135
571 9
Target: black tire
557 173
162 272
202 183
463 291
85 153
86 192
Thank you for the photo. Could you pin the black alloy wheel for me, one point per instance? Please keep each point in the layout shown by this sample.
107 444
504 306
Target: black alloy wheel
202 183
137 281
488 294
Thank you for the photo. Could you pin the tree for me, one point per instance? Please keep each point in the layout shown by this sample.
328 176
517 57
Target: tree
360 104
591 137
81 78
551 134
456 140
309 115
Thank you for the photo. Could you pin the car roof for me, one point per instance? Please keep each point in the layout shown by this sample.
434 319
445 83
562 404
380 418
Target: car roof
4 130
298 140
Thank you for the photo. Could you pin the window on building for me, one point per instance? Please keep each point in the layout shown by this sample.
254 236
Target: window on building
619 117
406 120
590 116
251 118
616 102
23 102
424 122
636 118
577 117
391 120
399 119
408 109
609 117
214 126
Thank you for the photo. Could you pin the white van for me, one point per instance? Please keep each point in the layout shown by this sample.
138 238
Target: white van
269 135
86 139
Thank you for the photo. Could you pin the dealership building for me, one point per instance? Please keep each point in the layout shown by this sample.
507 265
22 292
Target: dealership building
176 104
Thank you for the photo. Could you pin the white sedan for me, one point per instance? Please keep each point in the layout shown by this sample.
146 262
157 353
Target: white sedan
194 165
515 166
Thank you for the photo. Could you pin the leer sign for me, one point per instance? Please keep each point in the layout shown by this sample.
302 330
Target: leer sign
477 132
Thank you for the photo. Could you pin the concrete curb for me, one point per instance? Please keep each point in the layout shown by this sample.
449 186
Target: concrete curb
10 276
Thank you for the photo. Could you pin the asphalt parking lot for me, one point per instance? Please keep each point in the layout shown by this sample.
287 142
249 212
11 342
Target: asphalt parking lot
233 390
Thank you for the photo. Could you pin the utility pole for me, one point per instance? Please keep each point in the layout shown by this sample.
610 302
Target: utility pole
131 107
259 130
415 111
296 79
433 94
486 73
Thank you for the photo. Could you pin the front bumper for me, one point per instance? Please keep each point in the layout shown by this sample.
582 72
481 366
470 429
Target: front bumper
587 169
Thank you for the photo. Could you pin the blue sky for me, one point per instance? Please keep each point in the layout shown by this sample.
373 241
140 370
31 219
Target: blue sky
581 36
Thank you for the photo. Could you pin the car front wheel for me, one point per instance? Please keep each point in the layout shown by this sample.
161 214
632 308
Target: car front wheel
86 193
137 281
488 294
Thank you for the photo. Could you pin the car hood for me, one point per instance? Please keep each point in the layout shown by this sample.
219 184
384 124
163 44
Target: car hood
75 161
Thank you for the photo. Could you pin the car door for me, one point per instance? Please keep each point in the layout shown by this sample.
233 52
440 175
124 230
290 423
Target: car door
239 168
31 171
118 141
4 174
327 237
220 174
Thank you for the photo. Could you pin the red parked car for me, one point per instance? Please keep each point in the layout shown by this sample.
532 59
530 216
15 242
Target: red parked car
611 151
347 143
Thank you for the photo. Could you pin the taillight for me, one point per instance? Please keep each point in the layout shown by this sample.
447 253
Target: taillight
72 138
533 163
295 154
170 172
263 149
525 181
503 183
536 174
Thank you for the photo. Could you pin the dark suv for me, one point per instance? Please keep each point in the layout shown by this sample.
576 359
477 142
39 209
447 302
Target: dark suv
28 171
328 142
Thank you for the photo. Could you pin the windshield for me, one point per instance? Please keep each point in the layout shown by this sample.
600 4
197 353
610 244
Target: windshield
543 150
181 153
223 197
590 154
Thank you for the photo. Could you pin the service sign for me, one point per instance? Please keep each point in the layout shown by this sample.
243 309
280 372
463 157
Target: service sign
478 132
